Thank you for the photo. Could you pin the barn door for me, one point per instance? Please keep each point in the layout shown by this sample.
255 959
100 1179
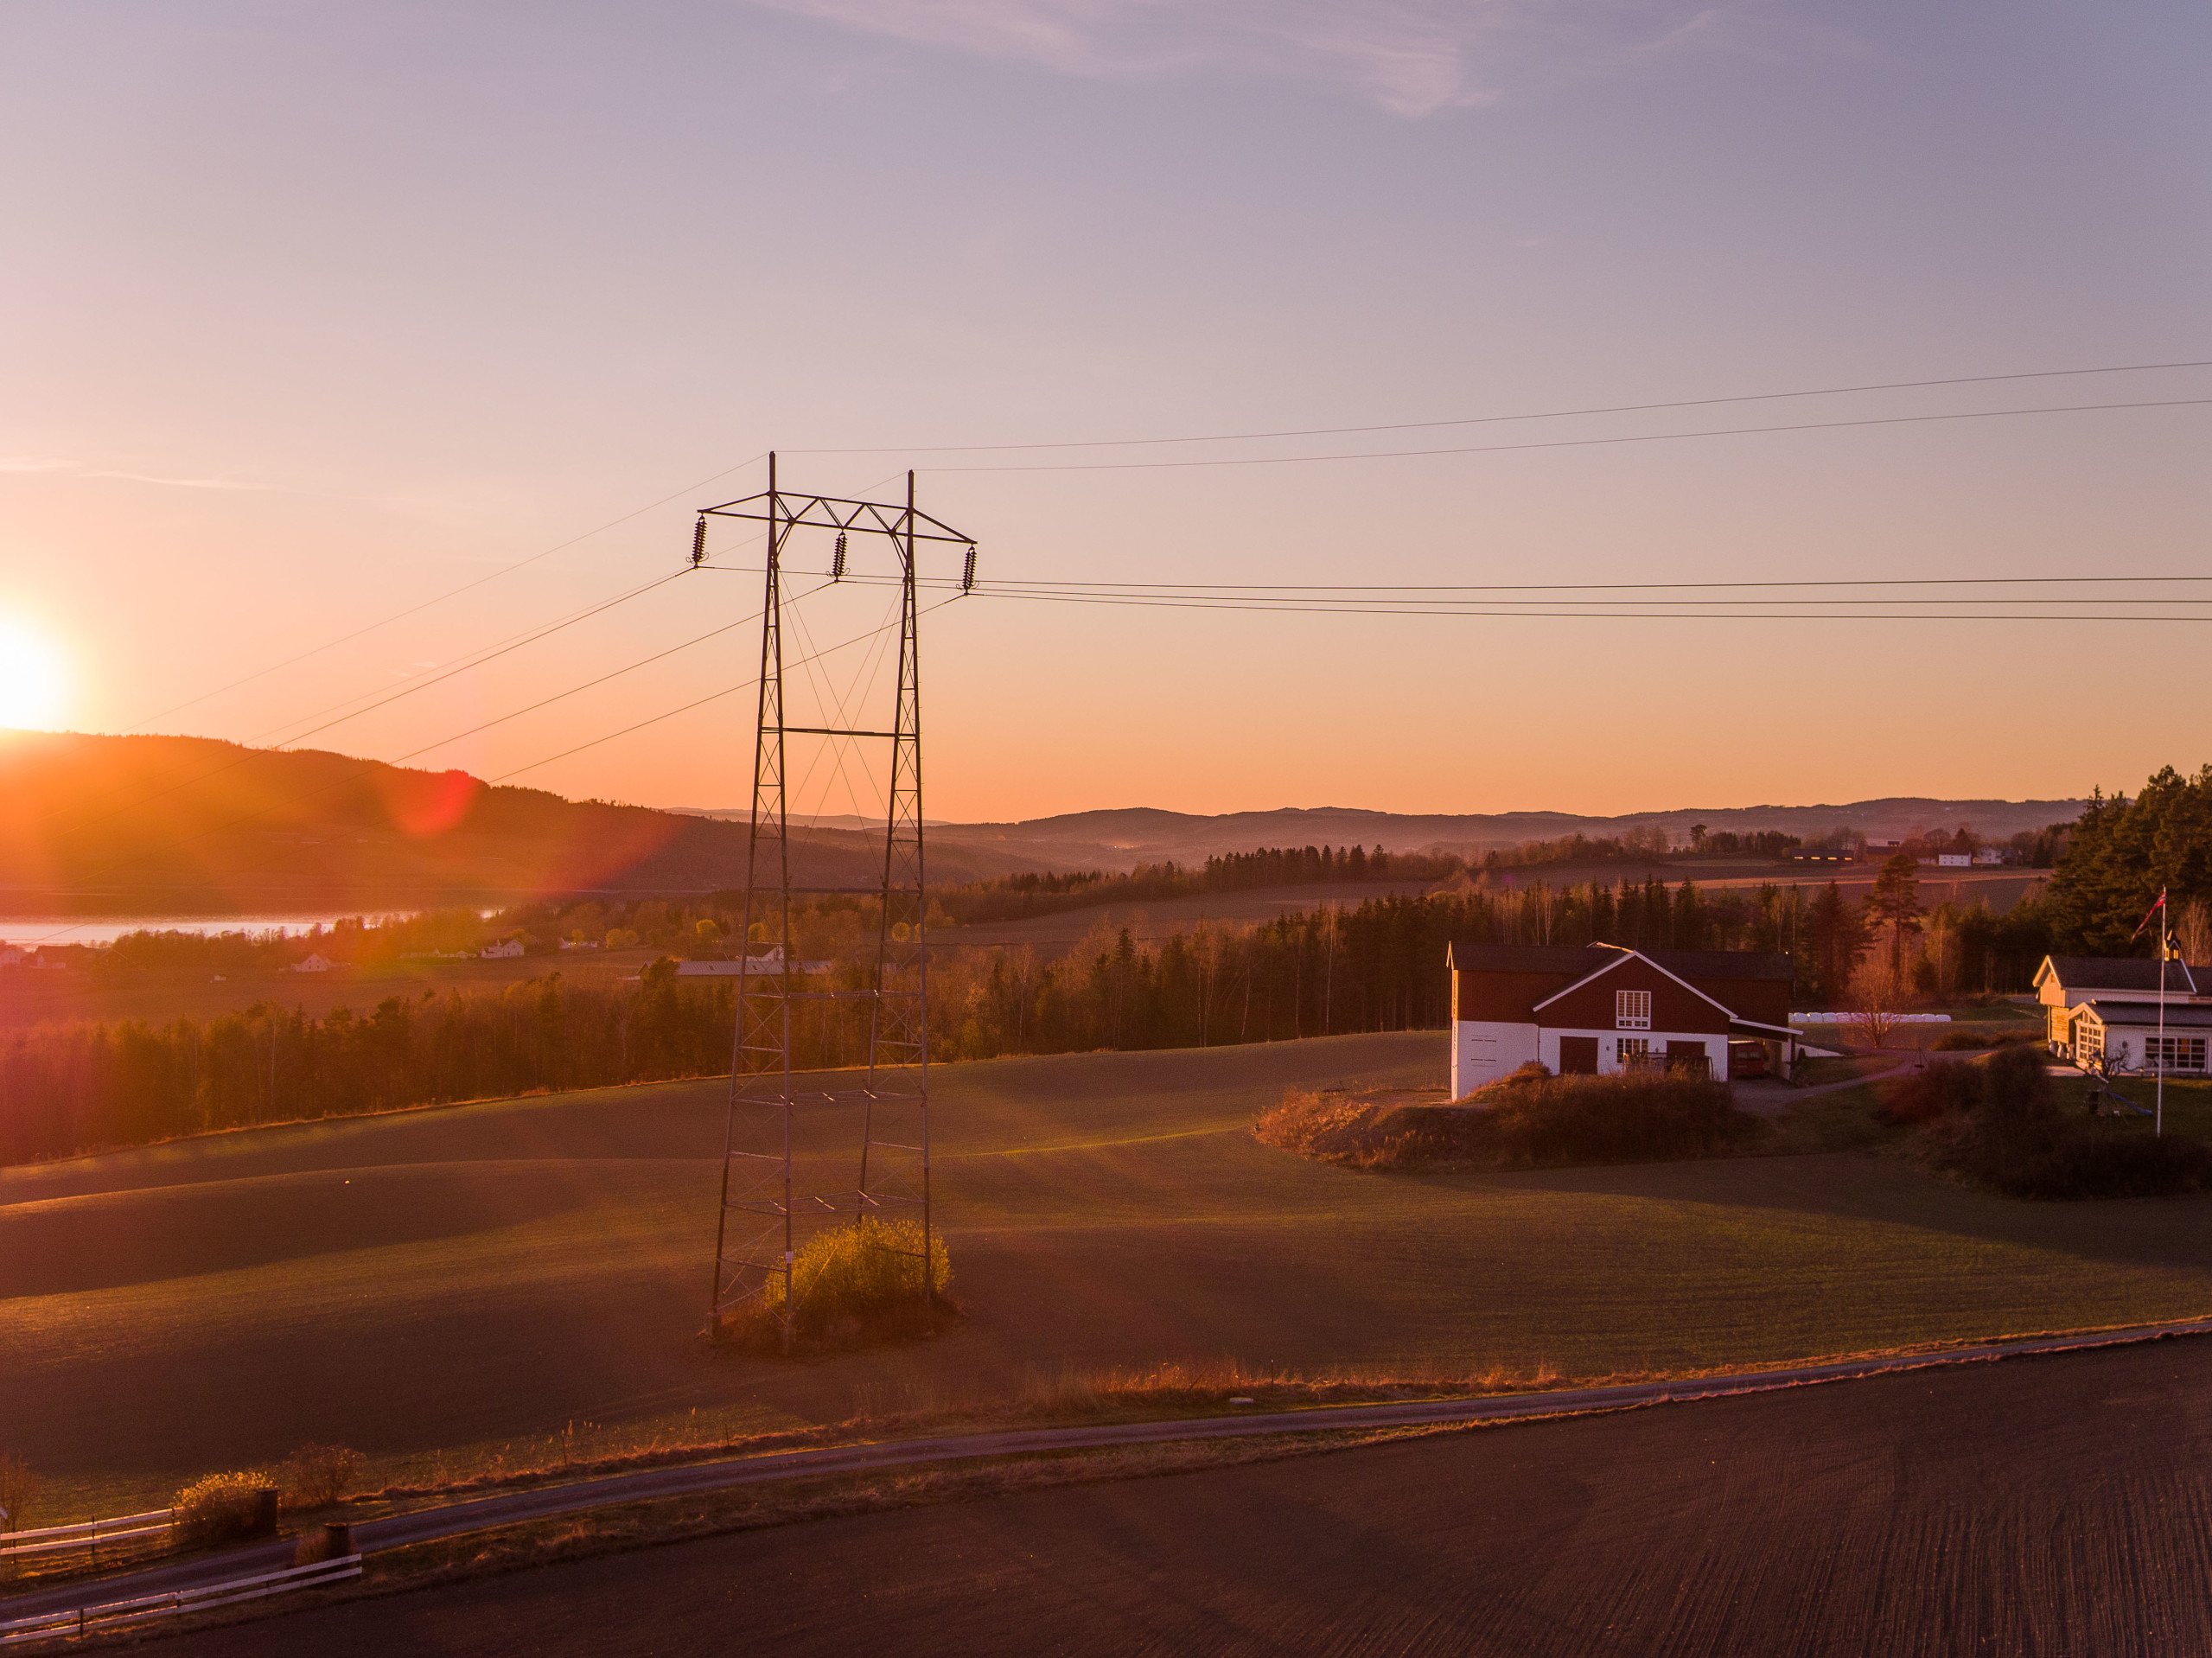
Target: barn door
1578 1056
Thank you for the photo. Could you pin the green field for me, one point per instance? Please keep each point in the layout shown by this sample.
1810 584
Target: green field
472 1276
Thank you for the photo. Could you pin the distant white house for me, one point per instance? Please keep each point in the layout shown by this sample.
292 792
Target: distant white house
579 944
1989 855
497 952
1955 860
49 961
10 956
313 964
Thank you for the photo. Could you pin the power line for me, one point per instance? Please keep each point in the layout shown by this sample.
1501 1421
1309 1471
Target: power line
1480 600
1582 443
374 766
1349 610
415 610
1545 414
251 754
687 708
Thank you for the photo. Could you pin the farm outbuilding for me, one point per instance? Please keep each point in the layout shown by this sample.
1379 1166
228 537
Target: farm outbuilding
1607 1009
2065 984
2132 1036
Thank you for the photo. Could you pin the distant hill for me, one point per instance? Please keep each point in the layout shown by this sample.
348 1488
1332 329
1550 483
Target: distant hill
1121 838
114 824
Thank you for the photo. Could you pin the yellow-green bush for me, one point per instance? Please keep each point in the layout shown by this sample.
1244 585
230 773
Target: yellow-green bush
858 1275
219 1508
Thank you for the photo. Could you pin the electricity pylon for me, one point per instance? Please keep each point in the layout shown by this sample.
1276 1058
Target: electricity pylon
766 1216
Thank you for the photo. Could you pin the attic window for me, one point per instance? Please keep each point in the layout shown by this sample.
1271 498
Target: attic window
1632 1010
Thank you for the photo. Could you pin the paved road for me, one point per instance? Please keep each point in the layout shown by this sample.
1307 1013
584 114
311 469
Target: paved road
453 1519
2048 1507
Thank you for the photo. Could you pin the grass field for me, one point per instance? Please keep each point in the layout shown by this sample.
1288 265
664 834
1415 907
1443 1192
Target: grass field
441 1286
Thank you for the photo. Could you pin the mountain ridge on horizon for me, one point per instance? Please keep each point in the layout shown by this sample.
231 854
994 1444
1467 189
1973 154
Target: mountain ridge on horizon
137 820
1120 837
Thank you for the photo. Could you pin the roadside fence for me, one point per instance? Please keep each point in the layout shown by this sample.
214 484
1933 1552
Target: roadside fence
117 1614
87 1534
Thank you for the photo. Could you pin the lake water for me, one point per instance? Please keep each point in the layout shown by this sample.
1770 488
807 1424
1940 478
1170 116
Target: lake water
31 930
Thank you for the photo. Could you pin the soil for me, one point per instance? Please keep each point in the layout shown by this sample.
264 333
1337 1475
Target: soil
1897 1515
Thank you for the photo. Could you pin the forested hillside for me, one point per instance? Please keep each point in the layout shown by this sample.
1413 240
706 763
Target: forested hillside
189 825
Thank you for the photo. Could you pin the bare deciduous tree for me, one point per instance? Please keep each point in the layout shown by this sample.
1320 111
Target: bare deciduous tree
2193 931
1878 994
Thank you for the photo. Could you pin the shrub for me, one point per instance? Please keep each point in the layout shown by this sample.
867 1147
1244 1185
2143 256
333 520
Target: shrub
220 1509
1997 1122
18 1490
314 1477
857 1282
1523 1121
1929 1093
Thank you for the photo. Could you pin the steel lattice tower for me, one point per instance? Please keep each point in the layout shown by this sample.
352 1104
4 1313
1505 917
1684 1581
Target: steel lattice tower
768 1207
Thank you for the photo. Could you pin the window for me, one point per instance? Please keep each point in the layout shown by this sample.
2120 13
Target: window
1632 1010
2175 1053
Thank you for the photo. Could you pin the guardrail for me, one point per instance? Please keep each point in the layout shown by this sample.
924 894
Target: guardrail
117 1613
89 1533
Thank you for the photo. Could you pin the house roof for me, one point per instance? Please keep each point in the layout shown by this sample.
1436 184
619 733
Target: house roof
2191 1016
1559 958
2117 972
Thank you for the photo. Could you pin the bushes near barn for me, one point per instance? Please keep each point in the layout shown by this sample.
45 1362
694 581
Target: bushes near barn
1528 1121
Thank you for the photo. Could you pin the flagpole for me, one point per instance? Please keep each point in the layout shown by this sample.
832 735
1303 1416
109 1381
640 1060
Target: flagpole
2160 1120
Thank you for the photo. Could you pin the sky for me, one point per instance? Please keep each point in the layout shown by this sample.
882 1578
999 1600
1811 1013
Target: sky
314 313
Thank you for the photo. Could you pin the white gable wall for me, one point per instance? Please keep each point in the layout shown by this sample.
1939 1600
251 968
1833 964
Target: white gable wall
1482 1051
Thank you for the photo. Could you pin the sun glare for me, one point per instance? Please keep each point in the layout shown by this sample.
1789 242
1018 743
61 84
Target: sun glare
33 678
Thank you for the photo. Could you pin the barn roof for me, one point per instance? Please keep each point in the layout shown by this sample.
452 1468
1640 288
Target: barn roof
1468 957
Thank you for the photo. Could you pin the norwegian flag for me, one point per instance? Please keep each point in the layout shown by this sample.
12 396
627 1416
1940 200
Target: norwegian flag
2147 914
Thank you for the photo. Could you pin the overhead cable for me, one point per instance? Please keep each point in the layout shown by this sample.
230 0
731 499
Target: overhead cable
1498 419
1579 442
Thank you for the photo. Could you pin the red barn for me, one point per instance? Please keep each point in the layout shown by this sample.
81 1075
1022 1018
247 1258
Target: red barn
1607 1009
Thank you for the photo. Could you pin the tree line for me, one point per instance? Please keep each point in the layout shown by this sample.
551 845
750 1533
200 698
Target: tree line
1010 897
1376 965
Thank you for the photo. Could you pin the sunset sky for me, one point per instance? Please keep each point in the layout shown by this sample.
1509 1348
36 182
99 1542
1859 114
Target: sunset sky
315 313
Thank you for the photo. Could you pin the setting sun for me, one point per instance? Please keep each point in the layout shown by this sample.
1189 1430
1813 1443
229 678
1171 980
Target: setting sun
32 677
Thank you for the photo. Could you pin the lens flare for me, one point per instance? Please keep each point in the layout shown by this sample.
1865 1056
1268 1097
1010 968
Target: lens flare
33 678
